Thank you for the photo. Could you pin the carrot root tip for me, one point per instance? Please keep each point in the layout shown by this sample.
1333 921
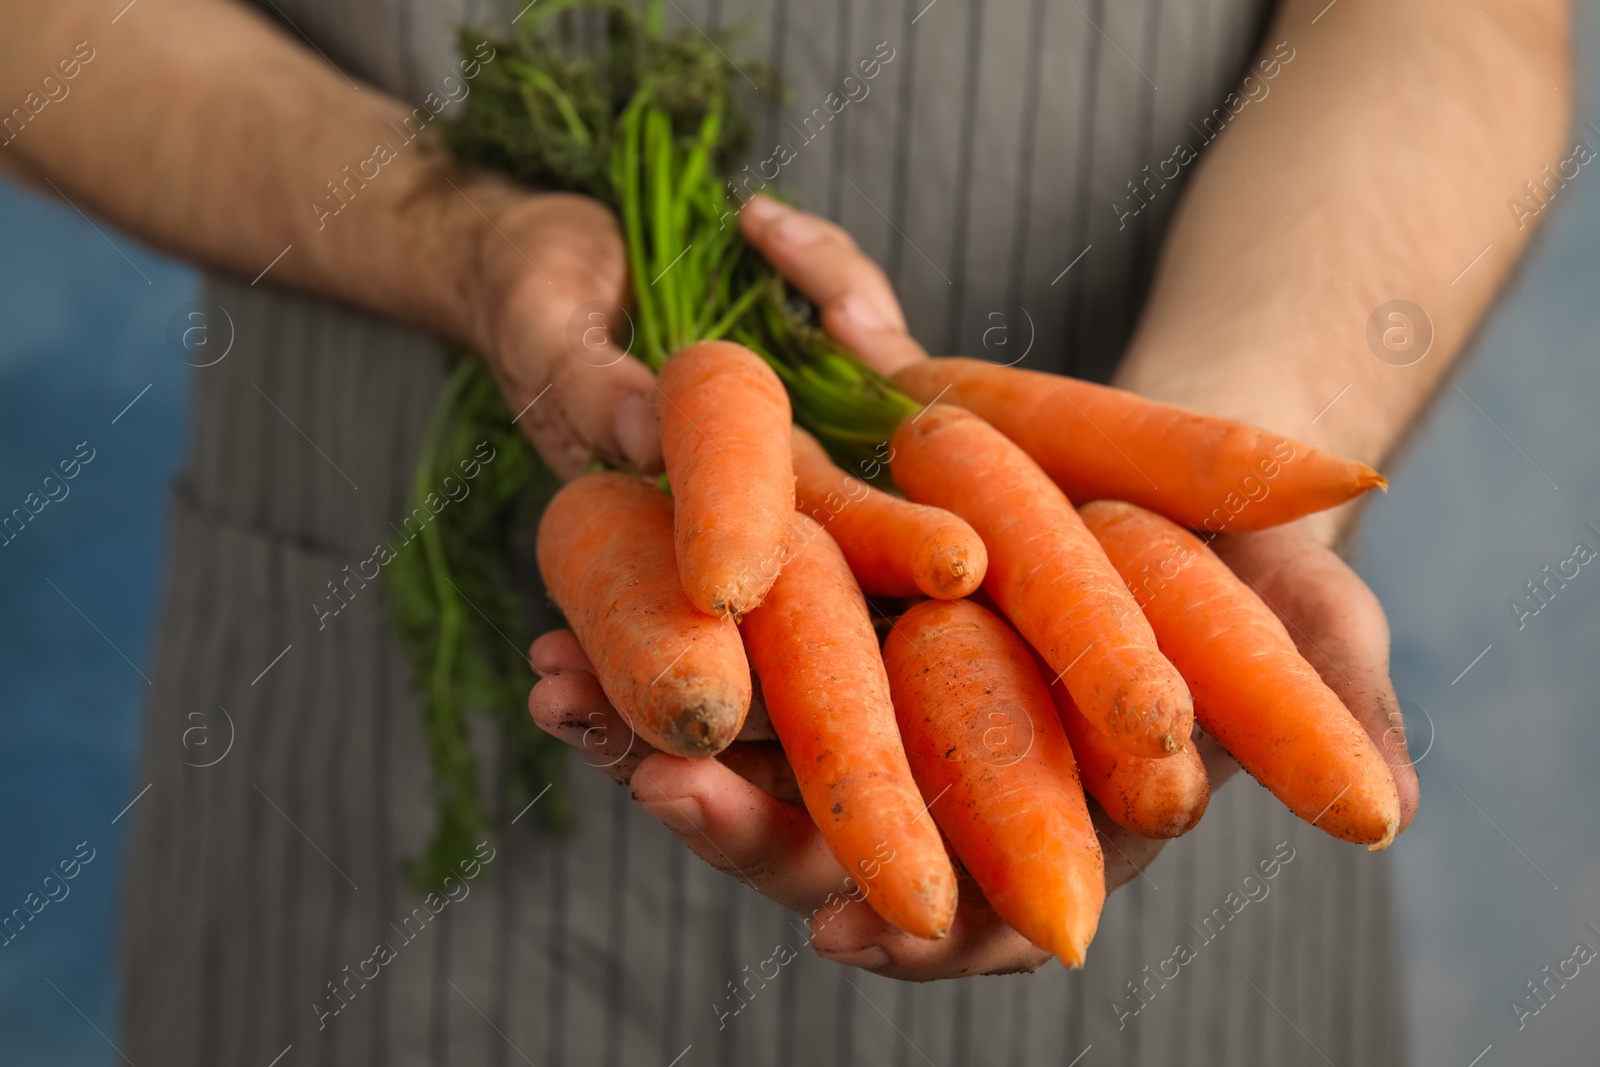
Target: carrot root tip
736 602
697 733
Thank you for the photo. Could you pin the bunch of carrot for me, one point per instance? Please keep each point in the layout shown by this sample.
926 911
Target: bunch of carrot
1103 634
1038 654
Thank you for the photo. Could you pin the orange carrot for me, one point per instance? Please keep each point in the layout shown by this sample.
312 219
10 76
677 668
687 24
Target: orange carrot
1014 811
896 548
1159 798
1049 576
680 678
814 649
725 440
1253 690
1099 443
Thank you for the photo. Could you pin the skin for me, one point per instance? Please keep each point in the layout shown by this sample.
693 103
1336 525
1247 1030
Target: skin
1399 176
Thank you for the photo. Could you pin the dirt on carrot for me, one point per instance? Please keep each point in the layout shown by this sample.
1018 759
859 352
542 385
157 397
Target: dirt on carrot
1019 823
1160 798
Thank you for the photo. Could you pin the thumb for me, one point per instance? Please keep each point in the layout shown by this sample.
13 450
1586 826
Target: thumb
592 398
857 304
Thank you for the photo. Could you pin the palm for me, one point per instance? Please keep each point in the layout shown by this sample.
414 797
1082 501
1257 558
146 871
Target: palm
1338 626
741 813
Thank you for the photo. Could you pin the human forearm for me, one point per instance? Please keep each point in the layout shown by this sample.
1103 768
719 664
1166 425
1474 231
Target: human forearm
1376 169
205 130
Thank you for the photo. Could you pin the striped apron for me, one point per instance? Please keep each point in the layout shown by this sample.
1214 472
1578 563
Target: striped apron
996 165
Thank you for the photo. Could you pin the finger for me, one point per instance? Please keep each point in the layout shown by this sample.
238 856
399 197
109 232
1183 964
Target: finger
763 764
857 304
570 705
1219 762
757 721
846 930
770 845
558 650
1340 628
575 709
574 411
820 259
1126 853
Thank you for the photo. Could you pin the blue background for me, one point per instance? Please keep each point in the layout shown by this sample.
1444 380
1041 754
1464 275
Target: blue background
84 331
1498 877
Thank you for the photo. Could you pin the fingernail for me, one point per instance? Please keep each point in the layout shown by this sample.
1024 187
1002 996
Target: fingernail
637 432
682 815
862 313
799 230
764 209
869 958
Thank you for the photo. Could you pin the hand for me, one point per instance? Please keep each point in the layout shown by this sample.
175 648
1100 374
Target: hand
553 275
853 297
1338 626
741 813
553 264
859 309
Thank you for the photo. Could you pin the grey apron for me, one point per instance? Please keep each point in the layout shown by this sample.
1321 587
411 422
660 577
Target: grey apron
996 166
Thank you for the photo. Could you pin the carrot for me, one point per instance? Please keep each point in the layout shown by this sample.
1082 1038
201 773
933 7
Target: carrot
725 439
896 548
1159 798
1098 443
1015 813
816 653
679 678
1049 576
1253 690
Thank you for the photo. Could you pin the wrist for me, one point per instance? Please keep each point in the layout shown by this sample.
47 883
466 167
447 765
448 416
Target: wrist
444 232
1300 368
1269 392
